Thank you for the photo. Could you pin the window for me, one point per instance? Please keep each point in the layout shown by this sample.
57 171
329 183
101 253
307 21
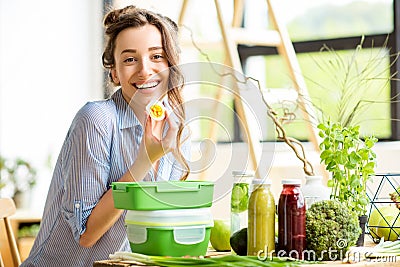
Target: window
324 19
340 25
311 24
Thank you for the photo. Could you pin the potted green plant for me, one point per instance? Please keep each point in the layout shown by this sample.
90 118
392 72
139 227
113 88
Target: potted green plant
346 153
17 178
351 162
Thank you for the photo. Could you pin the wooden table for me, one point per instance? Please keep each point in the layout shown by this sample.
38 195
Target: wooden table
354 262
389 262
108 263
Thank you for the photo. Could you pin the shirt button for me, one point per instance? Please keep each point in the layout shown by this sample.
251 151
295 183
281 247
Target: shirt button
77 205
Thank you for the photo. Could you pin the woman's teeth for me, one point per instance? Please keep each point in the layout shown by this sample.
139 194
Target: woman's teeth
146 85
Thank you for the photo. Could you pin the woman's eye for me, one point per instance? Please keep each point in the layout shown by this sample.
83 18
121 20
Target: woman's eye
129 60
158 57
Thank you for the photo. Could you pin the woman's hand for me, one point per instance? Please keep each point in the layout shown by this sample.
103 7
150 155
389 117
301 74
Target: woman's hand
153 143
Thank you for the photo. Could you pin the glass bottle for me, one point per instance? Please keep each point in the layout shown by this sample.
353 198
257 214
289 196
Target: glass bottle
292 219
261 223
240 199
314 190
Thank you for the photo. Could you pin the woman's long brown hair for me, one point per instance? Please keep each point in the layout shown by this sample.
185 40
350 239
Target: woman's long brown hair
116 21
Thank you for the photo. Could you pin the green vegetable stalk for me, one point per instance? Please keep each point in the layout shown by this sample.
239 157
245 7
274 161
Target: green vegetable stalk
217 261
388 247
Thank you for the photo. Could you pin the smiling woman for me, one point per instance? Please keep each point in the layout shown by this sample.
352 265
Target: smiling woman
115 140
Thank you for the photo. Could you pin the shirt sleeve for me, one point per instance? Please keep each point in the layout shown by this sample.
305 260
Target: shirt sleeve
86 166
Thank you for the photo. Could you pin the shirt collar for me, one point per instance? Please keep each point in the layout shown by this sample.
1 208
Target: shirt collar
125 113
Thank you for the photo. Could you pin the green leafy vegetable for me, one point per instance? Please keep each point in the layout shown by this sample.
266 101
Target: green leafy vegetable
351 161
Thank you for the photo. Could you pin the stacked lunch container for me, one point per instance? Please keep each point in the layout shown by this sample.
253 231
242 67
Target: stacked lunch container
166 218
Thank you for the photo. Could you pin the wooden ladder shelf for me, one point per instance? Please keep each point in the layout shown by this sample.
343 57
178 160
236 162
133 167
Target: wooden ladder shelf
278 37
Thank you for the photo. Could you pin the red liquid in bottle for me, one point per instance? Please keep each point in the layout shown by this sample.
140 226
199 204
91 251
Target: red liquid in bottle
292 220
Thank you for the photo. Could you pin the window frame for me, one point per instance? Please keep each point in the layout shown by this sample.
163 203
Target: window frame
346 43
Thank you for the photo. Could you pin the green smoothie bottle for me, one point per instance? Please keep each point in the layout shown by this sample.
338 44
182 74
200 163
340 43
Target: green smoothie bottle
261 221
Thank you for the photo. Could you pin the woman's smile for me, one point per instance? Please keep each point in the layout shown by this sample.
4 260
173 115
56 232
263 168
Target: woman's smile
146 85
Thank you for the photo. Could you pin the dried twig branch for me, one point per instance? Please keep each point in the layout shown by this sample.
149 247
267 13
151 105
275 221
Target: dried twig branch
293 143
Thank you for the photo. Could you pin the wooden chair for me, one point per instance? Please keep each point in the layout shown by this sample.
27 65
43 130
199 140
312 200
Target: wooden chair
7 208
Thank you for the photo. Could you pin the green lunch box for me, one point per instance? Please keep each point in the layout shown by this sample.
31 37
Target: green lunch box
163 195
169 232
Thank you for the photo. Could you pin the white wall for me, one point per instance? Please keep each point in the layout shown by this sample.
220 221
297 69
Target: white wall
50 65
284 165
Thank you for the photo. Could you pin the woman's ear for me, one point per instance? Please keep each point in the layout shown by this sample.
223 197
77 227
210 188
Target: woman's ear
114 76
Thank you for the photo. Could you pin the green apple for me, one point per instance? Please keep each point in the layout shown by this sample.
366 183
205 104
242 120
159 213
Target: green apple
380 225
220 235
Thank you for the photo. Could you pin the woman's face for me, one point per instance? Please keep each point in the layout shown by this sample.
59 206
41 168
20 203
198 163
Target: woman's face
141 66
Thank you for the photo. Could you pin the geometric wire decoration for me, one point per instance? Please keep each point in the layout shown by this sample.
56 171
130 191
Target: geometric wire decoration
379 190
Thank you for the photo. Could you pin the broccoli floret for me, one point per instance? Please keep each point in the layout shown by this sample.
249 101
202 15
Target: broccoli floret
331 229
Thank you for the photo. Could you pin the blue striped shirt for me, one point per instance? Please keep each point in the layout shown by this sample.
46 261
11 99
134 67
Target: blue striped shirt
101 144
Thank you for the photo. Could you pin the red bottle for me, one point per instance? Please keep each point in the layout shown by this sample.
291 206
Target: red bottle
291 220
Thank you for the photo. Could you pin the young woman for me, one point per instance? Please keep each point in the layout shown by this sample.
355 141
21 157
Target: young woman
116 140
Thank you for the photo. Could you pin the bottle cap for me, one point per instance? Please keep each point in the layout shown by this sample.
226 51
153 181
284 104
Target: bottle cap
313 177
243 173
261 181
291 181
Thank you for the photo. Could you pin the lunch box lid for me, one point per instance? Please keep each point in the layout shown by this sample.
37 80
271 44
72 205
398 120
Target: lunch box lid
170 218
